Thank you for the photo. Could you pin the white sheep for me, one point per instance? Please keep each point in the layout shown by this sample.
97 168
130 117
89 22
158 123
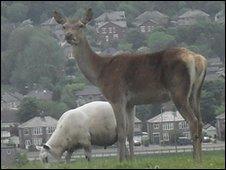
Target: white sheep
91 124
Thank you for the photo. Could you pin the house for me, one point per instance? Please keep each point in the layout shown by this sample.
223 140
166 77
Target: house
10 100
220 125
9 133
166 126
192 17
220 17
36 131
57 32
209 130
8 155
214 69
42 94
88 94
149 20
137 125
110 26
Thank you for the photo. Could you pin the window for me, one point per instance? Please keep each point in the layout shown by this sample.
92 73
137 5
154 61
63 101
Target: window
27 142
183 125
110 29
8 151
26 131
155 125
104 31
136 125
107 38
50 129
37 141
165 136
114 30
187 134
37 131
115 36
149 28
167 126
142 28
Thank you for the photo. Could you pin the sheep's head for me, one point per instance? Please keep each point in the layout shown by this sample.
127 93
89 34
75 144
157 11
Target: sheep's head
44 153
73 29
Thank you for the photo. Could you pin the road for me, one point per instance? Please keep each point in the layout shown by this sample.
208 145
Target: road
139 150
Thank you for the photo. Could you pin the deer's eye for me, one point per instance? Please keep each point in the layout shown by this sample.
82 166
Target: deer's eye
63 27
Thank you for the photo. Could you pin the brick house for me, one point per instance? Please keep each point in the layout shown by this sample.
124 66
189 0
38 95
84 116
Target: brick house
10 100
36 131
192 17
220 125
137 125
88 94
149 20
209 130
110 26
163 127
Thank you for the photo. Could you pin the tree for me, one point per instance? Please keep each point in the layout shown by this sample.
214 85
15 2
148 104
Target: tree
17 12
159 40
28 109
137 39
212 99
31 107
36 55
68 94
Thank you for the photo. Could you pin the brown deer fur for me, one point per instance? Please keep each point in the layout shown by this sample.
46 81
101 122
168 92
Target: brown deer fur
127 80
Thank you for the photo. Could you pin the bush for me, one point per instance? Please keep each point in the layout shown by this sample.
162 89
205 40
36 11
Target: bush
21 159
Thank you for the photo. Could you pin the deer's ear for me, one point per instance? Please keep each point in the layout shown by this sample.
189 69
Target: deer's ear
59 18
88 16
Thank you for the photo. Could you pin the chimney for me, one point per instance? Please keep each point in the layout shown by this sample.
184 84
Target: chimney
42 116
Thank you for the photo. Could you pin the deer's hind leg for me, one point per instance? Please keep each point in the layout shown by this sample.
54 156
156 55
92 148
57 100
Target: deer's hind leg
180 88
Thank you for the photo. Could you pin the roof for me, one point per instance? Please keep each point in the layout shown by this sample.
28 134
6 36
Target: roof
11 97
50 21
110 51
193 13
88 90
119 23
136 120
207 126
221 116
112 15
40 94
115 17
39 122
153 16
167 116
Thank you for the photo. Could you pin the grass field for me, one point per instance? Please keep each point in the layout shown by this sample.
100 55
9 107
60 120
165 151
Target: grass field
211 160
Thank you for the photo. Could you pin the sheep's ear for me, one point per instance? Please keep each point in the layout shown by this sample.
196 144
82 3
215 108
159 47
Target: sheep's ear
88 16
59 18
46 147
38 147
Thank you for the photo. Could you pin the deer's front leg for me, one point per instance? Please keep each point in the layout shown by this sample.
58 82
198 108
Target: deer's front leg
120 116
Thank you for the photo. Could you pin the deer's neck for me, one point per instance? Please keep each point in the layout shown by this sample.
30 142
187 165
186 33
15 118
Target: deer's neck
88 61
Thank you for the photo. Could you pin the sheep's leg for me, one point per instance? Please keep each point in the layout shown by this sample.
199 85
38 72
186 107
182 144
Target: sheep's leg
87 149
120 116
130 110
68 155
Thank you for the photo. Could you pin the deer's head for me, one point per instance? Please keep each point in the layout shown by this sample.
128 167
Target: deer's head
73 29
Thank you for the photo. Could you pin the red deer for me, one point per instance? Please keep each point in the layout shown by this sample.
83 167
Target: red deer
127 80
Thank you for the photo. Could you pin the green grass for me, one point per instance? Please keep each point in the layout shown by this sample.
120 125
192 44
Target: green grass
211 160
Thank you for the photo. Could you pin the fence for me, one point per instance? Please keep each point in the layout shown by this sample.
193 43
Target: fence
140 151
